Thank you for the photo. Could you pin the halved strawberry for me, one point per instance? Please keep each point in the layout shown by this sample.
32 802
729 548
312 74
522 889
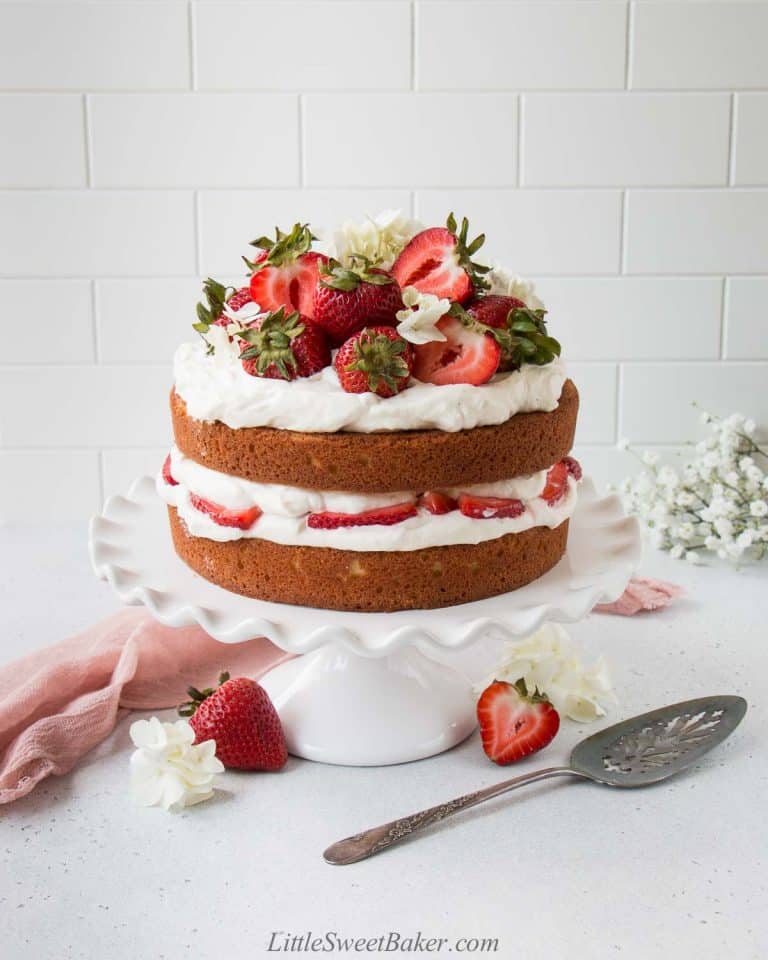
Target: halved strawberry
489 508
242 519
381 516
167 475
282 347
374 360
514 724
349 298
439 260
437 502
286 271
465 356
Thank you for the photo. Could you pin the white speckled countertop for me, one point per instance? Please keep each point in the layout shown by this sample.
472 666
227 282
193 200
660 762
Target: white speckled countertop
558 870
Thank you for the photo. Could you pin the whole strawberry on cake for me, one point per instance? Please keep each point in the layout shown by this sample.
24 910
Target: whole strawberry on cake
375 421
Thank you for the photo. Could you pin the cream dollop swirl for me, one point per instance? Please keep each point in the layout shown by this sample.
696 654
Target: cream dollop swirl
219 389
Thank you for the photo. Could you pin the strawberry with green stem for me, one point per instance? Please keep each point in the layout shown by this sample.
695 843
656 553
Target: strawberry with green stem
374 360
285 271
520 332
284 346
439 260
348 298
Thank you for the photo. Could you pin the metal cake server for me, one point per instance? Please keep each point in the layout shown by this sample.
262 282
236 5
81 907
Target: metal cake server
633 753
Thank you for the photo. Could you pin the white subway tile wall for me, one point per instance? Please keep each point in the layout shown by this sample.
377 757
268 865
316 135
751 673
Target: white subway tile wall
616 152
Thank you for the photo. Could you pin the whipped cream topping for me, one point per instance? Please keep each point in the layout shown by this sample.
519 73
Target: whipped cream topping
285 509
217 387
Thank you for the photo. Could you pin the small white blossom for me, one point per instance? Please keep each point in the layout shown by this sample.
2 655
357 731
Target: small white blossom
650 458
168 769
548 662
417 323
380 239
623 444
507 285
714 503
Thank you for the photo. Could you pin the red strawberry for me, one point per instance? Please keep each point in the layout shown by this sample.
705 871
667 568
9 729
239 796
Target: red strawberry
242 519
215 297
489 508
284 347
286 271
574 467
520 332
242 720
439 260
381 516
376 360
349 298
514 724
466 356
167 475
437 502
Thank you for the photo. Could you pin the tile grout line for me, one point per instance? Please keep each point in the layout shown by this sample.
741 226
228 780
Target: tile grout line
623 231
628 44
732 142
192 44
95 310
724 301
87 142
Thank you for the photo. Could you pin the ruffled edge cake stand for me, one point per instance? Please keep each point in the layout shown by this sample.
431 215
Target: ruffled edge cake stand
368 688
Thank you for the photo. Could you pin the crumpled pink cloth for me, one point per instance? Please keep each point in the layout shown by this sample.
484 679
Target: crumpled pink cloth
642 594
58 703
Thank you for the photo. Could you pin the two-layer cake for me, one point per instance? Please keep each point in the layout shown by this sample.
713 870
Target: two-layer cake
379 425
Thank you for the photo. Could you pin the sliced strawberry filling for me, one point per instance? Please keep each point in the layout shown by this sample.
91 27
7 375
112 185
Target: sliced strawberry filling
489 508
381 516
437 503
242 519
167 475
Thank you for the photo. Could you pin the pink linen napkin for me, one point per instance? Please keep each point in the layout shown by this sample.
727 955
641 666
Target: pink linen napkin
58 703
642 594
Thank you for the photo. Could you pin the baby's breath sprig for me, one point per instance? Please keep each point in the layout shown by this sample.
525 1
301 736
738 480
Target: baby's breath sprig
717 503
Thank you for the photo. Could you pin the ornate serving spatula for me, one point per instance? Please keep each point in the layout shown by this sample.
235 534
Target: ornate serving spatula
633 753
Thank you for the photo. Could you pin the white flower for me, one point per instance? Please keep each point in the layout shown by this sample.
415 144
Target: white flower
758 508
548 662
168 769
379 238
418 321
650 459
749 427
623 444
677 551
508 285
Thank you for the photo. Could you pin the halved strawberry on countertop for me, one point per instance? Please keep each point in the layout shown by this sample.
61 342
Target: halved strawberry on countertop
286 271
439 260
465 356
514 723
489 508
381 516
242 519
437 502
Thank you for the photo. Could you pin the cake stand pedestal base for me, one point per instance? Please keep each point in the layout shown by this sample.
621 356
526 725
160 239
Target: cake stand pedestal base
338 707
366 688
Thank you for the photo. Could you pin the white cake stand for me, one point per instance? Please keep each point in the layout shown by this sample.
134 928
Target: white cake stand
369 688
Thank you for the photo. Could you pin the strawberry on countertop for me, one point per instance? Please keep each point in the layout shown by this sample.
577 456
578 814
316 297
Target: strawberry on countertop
285 272
465 356
348 298
284 346
514 723
439 261
242 519
242 720
376 360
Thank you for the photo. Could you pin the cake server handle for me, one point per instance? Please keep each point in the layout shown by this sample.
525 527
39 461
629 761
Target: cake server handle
372 841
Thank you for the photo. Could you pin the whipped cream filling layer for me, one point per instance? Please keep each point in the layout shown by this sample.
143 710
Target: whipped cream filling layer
285 510
216 387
